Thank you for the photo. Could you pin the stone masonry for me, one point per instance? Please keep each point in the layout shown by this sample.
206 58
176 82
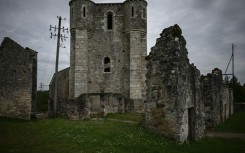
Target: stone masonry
108 50
18 80
63 90
180 103
174 105
218 99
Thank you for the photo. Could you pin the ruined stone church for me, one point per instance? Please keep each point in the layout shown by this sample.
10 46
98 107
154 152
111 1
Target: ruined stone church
107 57
109 74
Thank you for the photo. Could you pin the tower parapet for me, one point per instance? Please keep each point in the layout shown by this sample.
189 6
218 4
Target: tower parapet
135 15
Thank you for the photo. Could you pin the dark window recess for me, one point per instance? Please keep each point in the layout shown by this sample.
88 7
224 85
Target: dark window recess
84 11
107 70
132 11
72 12
144 13
107 64
109 21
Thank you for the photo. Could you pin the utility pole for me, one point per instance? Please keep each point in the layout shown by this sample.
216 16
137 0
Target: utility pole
42 86
232 59
233 71
59 37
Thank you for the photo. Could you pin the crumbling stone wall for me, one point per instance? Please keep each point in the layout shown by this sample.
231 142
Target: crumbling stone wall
174 106
86 104
217 98
18 80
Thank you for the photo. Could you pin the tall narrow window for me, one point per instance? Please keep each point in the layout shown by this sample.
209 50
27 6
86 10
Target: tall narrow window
107 64
144 13
110 21
84 11
132 11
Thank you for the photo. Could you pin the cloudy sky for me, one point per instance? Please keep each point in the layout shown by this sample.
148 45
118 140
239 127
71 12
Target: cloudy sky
209 26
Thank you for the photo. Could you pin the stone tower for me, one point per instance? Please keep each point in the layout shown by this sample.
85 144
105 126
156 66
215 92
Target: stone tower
108 48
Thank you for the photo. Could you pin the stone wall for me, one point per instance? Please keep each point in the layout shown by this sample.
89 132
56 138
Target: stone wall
86 104
174 105
63 93
218 99
18 80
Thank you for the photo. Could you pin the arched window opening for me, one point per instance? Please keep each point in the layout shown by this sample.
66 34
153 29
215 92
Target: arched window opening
109 21
84 11
107 64
132 11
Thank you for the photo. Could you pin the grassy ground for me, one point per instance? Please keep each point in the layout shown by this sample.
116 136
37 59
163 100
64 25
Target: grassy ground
64 136
134 117
235 124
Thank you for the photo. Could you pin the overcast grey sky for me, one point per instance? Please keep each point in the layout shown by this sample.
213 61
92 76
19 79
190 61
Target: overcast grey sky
209 27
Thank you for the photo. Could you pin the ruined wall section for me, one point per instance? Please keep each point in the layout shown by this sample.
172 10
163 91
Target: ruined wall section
18 80
173 105
198 121
63 93
217 98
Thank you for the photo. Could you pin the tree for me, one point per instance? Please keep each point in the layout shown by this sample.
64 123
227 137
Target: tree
239 91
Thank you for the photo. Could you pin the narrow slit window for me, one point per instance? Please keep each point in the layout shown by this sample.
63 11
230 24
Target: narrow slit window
144 13
107 64
72 12
109 21
84 11
132 11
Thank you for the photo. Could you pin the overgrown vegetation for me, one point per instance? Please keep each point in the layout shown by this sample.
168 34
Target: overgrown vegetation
104 136
239 91
235 124
42 101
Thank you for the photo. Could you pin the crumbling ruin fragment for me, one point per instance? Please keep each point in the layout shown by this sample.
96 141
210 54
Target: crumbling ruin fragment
218 99
174 106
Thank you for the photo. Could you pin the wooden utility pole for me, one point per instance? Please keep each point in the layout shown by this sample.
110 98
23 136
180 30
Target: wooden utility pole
233 59
60 37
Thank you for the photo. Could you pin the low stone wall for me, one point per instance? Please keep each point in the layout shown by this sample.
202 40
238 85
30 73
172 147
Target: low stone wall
86 104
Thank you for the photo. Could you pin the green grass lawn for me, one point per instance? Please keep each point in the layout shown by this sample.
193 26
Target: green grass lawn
64 136
134 117
235 124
